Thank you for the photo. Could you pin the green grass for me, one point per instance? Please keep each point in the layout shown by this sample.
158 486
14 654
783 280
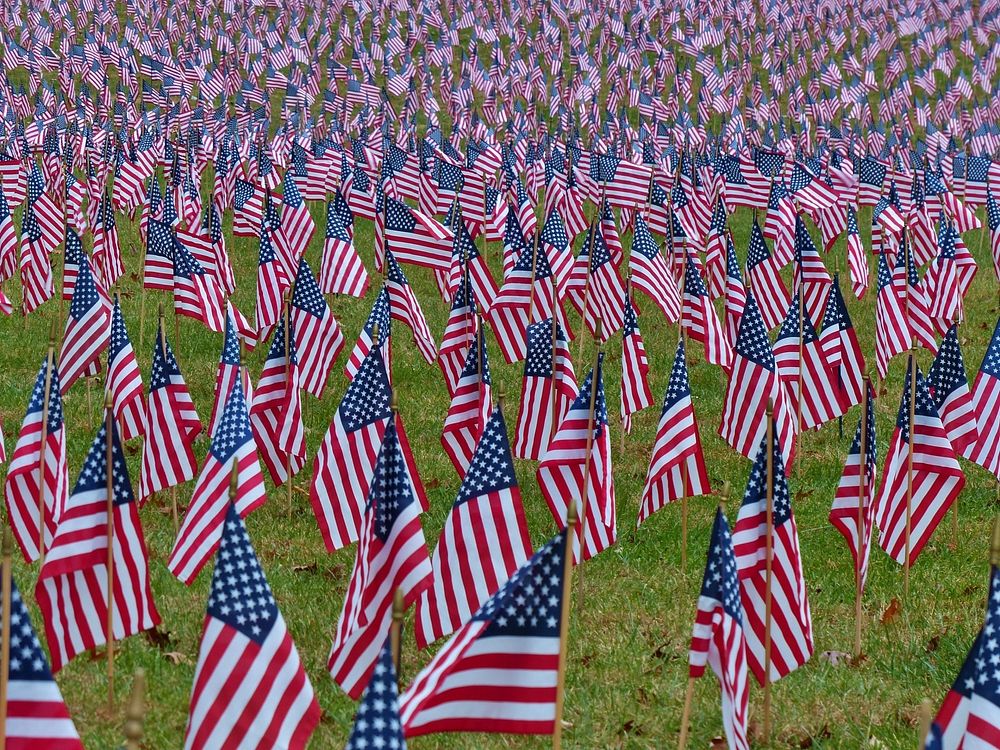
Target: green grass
629 637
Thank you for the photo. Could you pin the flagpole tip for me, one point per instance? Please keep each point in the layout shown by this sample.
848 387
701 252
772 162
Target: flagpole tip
234 480
108 399
394 402
135 711
501 396
7 547
398 605
724 494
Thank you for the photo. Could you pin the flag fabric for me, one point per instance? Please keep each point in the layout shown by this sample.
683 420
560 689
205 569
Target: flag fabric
272 283
754 383
969 716
37 717
86 334
391 555
791 621
892 331
459 331
345 462
841 349
507 656
549 388
341 270
276 410
949 388
415 238
470 407
677 464
72 588
21 488
202 527
404 307
72 253
171 425
318 337
857 258
718 638
297 226
380 319
764 277
376 723
124 381
736 295
566 462
936 476
699 319
250 687
229 372
650 273
636 395
992 220
484 541
811 278
158 265
197 294
985 451
853 510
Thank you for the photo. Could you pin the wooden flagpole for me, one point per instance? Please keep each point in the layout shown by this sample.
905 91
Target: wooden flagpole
142 301
7 589
109 632
534 266
173 490
586 286
925 723
43 445
588 456
802 346
862 481
682 335
628 298
909 472
567 593
768 574
288 385
396 633
689 693
135 712
552 381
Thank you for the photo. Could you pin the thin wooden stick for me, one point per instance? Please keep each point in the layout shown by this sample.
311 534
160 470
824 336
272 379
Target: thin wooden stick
909 473
135 712
534 267
925 723
628 298
109 632
396 633
584 499
768 576
686 714
586 285
862 481
7 589
173 490
43 445
798 399
288 385
567 593
553 411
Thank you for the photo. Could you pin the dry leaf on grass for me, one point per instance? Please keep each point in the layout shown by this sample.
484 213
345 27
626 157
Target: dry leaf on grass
176 657
891 612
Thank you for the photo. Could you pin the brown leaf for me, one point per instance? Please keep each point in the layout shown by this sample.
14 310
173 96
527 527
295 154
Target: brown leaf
660 652
717 743
432 484
836 658
159 638
176 657
934 642
802 494
891 612
309 568
857 661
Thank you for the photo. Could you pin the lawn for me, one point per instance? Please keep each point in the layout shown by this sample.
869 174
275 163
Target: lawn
629 633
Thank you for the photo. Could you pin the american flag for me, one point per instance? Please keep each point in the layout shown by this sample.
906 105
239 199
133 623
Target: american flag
567 469
72 252
914 299
272 283
158 268
48 217
736 295
977 179
544 401
986 406
941 280
626 184
791 621
470 407
745 185
344 464
677 465
970 713
201 530
779 225
297 225
37 717
318 338
199 244
12 180
718 638
700 320
37 285
764 277
21 489
391 555
892 332
276 410
248 209
341 270
197 294
507 656
379 316
554 243
811 278
229 372
171 425
650 272
72 588
404 307
753 384
802 367
841 349
8 239
715 250
484 541
250 687
376 723
412 237
124 380
458 333
871 178
108 262
853 510
636 395
594 288
949 387
86 334
857 258
992 219
936 476
466 260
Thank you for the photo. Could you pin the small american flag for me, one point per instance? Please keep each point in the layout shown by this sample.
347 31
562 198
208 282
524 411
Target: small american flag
201 530
86 334
892 332
811 278
197 294
700 320
791 622
857 258
377 724
318 337
841 349
248 209
72 252
37 717
379 316
677 454
764 276
949 387
391 555
227 374
272 282
73 584
415 238
341 270
736 294
992 219
718 638
297 225
250 688
21 490
516 635
986 406
936 476
636 395
158 271
458 333
404 307
124 380
470 407
543 402
484 540
650 272
8 239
